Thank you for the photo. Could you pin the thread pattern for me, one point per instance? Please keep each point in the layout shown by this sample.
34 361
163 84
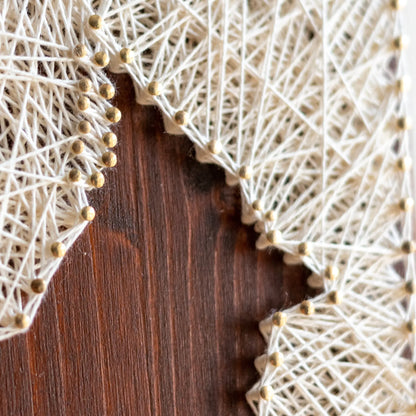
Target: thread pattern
52 124
301 102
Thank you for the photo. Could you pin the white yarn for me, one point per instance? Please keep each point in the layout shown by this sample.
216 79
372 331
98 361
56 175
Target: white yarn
38 124
297 100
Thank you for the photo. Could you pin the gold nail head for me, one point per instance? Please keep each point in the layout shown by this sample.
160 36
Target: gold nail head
406 204
397 4
257 205
335 297
154 88
58 249
304 249
307 307
84 127
38 286
276 359
101 59
97 180
87 213
411 287
404 123
408 247
404 163
266 393
107 91
113 114
214 147
85 85
245 172
77 147
109 139
401 42
83 103
95 22
74 175
331 273
274 237
126 56
411 326
271 215
404 84
181 118
21 321
80 51
279 319
109 159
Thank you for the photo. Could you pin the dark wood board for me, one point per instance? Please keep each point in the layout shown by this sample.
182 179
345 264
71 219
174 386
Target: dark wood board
155 309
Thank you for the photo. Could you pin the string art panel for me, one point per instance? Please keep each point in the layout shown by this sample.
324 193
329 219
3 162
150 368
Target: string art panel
53 138
301 102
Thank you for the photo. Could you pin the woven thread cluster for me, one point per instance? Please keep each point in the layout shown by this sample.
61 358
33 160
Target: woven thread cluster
301 102
52 124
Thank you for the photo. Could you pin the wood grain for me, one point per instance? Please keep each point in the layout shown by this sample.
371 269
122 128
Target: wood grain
155 309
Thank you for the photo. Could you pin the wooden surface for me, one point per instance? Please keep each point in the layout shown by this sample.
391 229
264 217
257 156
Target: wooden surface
155 309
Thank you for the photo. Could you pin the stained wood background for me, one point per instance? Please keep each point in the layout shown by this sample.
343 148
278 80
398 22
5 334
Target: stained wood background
156 307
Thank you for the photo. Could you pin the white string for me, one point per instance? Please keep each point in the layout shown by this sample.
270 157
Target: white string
302 95
311 135
39 119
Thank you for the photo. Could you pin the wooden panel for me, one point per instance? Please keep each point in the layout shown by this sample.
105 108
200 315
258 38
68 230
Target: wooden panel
155 309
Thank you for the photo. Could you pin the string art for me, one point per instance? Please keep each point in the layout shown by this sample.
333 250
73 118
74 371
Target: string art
53 139
301 102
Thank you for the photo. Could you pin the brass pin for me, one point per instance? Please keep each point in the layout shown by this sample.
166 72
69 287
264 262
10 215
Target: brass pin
266 393
126 56
307 307
109 159
109 139
335 297
38 286
331 273
83 103
408 247
279 319
85 85
274 237
77 147
101 59
245 172
304 249
214 147
74 175
154 88
257 205
276 359
97 179
84 127
404 163
87 213
58 249
80 51
271 215
21 321
181 118
113 114
95 22
406 204
107 91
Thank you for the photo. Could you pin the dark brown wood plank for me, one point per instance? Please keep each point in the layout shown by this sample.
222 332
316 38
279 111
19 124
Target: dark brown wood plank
156 307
